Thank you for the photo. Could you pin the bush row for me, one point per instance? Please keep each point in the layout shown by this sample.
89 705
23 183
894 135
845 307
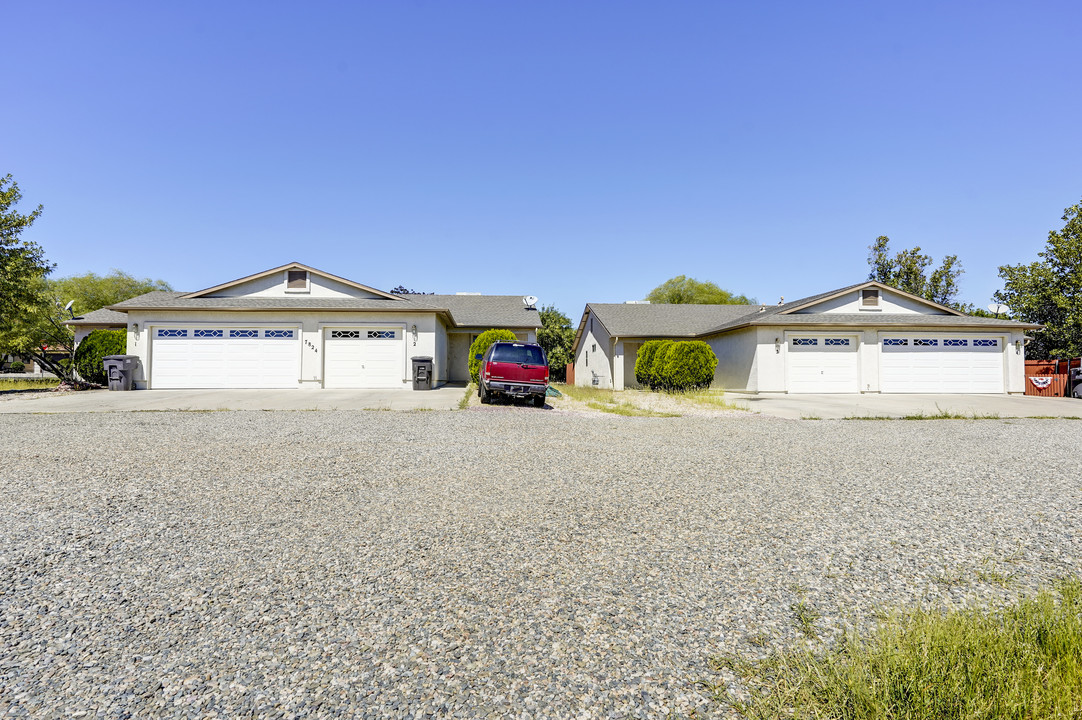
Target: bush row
675 365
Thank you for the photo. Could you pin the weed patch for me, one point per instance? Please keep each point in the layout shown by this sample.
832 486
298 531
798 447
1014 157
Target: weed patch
1024 661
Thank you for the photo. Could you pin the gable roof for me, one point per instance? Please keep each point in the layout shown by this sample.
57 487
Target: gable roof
488 311
282 268
104 316
666 321
662 320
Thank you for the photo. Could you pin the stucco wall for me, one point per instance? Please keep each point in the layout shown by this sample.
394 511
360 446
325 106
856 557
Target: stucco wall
889 302
736 360
274 285
593 358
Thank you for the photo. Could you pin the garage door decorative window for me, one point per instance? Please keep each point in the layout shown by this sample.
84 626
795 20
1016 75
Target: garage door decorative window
925 342
954 342
836 341
164 333
278 334
805 341
894 342
208 333
381 334
243 333
985 343
345 334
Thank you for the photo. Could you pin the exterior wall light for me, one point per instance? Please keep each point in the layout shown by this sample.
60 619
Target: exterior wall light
777 345
413 331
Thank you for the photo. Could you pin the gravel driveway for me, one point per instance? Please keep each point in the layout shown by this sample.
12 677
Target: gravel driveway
507 562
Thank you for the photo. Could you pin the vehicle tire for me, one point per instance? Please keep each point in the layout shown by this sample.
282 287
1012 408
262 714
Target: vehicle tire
539 401
486 398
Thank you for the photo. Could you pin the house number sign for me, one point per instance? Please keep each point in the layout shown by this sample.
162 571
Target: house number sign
309 344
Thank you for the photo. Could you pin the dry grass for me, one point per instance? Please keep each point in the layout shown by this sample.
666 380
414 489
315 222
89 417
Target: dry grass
15 384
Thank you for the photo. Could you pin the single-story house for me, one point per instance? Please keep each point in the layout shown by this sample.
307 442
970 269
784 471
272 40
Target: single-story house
103 319
865 338
298 327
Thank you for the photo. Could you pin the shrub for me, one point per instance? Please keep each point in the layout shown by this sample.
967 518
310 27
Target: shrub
654 377
645 361
687 365
17 367
481 344
96 346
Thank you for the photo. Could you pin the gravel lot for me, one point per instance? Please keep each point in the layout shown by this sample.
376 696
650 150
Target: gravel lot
494 562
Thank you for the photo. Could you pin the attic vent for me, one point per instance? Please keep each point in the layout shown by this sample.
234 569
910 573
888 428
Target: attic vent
869 298
297 280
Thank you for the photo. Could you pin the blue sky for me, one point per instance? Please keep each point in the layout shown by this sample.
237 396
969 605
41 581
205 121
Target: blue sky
578 151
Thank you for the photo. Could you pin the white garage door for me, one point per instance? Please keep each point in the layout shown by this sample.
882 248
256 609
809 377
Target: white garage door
363 358
822 364
209 357
940 363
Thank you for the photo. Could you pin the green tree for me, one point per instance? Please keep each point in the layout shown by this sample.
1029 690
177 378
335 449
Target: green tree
38 330
93 292
22 263
908 271
682 290
556 336
1049 291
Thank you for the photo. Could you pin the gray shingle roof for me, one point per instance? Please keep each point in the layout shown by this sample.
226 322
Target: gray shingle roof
103 316
633 320
464 310
874 320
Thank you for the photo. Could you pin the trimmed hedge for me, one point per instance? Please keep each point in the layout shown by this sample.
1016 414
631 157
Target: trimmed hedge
645 361
688 365
481 344
96 346
669 365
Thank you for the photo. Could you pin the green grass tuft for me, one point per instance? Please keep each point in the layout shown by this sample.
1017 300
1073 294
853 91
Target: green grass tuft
13 384
627 409
1024 661
471 390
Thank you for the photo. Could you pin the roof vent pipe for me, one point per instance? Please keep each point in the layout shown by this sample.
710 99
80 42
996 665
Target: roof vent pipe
762 308
781 300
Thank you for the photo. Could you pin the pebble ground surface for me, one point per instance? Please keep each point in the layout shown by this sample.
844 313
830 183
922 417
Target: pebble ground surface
492 562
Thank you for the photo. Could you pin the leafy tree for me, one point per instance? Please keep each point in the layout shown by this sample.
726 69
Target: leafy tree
93 292
908 271
682 290
1049 291
22 263
403 290
38 330
556 336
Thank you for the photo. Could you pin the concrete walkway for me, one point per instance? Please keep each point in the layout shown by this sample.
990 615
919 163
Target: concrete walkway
443 398
828 407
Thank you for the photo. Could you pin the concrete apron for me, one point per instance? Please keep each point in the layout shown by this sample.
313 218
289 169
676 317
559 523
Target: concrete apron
442 398
829 407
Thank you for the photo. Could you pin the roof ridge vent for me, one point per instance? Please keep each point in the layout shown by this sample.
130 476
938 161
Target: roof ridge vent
467 293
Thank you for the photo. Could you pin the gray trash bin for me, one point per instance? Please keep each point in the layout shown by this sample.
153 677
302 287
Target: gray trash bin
422 373
120 369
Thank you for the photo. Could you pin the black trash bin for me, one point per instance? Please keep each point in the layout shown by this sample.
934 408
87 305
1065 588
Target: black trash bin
120 369
422 373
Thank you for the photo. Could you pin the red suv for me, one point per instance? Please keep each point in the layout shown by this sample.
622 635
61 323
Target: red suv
517 370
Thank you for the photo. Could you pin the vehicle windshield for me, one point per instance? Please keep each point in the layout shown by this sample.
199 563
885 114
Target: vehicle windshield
531 355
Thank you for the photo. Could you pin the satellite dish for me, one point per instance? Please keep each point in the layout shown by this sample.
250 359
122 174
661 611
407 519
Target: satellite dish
999 309
530 301
68 306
